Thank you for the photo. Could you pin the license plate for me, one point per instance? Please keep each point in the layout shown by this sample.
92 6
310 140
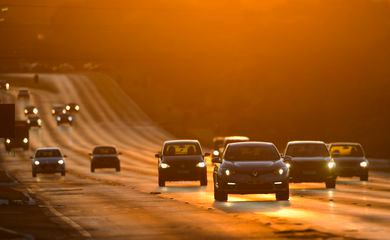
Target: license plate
183 171
309 172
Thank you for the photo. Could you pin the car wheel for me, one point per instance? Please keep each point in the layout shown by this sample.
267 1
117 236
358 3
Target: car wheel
282 196
118 168
219 195
330 183
92 168
34 174
161 181
63 173
203 180
364 177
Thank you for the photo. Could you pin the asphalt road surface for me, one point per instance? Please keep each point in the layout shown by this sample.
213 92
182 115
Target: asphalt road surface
130 205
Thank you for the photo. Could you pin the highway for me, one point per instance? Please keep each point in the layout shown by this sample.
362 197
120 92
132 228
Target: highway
130 205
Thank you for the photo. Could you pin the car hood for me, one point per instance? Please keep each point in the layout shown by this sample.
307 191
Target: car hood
310 159
192 158
253 164
48 160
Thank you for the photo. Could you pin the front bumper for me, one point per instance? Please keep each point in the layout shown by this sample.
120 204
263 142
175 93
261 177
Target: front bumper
270 183
49 168
179 174
351 171
312 175
105 163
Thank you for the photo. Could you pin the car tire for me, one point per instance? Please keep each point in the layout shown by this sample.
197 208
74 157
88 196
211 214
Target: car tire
34 173
161 181
364 177
218 194
330 183
92 168
282 196
63 173
203 180
118 168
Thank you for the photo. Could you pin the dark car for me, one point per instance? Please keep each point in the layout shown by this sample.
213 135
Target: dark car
20 139
250 168
105 157
233 139
31 110
34 121
217 144
64 118
23 93
4 85
310 161
48 160
181 160
72 108
350 160
58 109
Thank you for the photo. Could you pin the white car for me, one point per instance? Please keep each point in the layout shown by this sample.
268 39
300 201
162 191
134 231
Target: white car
48 160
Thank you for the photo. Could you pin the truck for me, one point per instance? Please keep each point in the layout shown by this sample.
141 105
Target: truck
20 138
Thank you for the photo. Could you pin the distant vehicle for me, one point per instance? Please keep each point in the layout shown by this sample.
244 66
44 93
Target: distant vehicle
21 138
250 168
48 160
232 139
217 144
23 94
350 160
64 118
34 121
58 109
30 110
310 161
105 157
4 85
72 108
181 160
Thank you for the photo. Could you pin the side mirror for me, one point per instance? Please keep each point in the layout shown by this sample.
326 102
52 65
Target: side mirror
207 154
157 155
216 160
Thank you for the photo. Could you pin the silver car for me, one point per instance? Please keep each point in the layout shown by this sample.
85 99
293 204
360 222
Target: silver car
48 160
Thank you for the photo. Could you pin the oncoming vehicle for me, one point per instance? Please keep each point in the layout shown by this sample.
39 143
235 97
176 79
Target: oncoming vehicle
34 121
250 168
350 160
181 160
48 160
72 108
64 118
23 93
30 110
58 109
4 85
310 161
105 157
233 139
217 144
20 139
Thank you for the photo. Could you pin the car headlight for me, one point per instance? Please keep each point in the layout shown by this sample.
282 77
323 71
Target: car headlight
280 171
227 172
331 165
53 111
36 162
8 141
58 119
61 161
201 164
364 164
64 110
164 165
288 165
28 121
67 107
216 153
39 121
25 111
7 86
77 107
25 140
35 111
70 118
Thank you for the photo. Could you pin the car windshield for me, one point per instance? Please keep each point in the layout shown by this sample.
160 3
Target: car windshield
346 151
307 150
180 149
48 153
251 153
104 150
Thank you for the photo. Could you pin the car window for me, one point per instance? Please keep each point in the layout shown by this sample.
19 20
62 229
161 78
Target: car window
48 153
179 149
251 153
104 150
307 150
346 151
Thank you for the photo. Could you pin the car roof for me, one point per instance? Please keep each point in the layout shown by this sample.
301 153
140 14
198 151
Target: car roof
104 146
345 143
181 141
252 143
236 138
306 142
48 148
